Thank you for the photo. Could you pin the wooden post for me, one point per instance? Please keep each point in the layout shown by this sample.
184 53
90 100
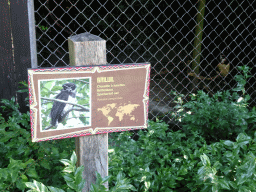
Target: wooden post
92 151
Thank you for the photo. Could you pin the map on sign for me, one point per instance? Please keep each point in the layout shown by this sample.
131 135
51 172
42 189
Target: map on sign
117 112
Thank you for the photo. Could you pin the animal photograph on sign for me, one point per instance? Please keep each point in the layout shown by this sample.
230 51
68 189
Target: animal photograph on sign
65 104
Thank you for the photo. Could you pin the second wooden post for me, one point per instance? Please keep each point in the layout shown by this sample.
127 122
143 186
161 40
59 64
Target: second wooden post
92 151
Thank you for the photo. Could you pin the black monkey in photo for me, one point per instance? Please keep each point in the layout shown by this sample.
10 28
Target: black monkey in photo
58 111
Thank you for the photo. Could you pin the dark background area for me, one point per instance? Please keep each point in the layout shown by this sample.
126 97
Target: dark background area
161 33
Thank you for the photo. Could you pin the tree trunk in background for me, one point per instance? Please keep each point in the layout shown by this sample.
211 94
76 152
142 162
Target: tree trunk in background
198 43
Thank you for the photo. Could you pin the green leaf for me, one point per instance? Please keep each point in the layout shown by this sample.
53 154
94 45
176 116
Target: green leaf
68 178
48 85
81 185
224 184
79 171
233 184
243 188
56 88
71 184
24 178
14 175
69 169
98 178
94 188
22 91
73 158
55 152
241 138
206 188
229 143
205 160
32 173
214 188
37 186
20 184
66 162
105 179
30 185
120 176
78 176
54 189
43 188
228 154
127 186
45 164
243 178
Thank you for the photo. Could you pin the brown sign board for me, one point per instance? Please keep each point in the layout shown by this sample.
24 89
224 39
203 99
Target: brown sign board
84 100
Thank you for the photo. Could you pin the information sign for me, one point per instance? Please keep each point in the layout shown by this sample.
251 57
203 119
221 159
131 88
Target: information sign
77 101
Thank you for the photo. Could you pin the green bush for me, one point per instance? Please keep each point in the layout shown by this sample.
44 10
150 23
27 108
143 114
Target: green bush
213 152
75 181
232 168
164 160
217 117
21 160
160 160
222 116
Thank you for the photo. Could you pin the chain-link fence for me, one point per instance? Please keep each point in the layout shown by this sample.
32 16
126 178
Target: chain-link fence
191 44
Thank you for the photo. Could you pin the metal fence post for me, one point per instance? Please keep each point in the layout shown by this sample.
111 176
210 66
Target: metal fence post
92 151
32 34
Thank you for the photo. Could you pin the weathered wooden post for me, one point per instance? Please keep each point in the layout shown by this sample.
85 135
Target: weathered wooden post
92 151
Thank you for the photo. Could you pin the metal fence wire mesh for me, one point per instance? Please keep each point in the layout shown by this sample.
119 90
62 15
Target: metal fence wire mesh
164 33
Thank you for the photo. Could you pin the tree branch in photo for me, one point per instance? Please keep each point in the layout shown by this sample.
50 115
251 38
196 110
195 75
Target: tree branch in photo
81 108
74 104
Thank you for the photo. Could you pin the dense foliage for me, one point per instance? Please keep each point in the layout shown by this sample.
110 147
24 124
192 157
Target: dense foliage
75 181
21 160
214 151
222 116
164 160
